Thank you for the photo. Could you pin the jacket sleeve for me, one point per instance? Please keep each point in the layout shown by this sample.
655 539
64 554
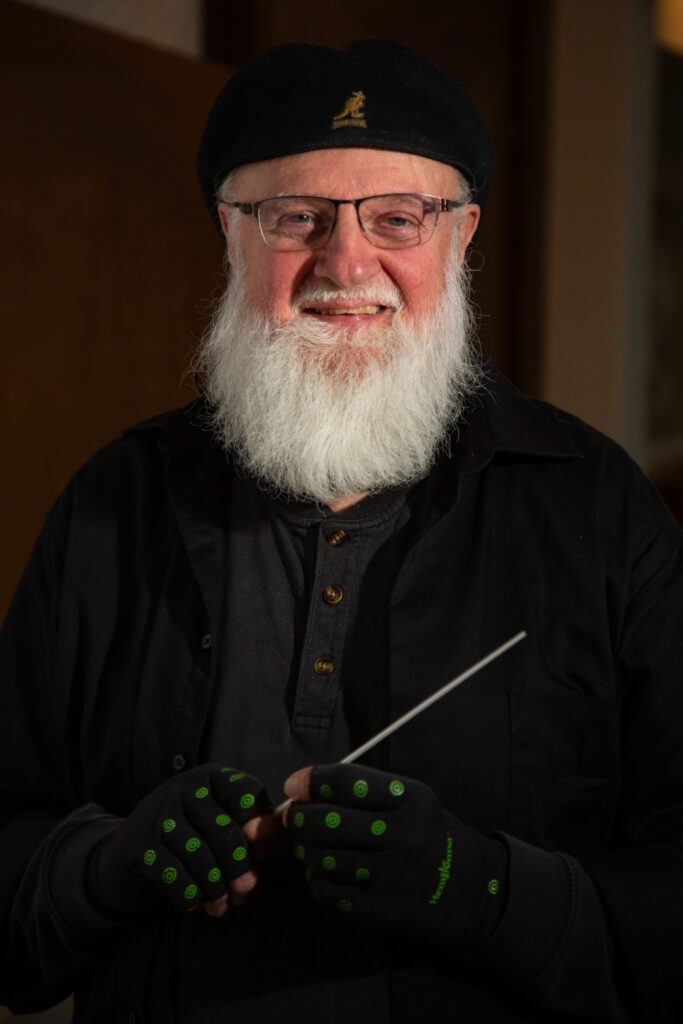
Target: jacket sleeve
40 950
639 879
600 935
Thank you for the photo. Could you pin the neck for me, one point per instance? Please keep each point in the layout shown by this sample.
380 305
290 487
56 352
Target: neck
341 504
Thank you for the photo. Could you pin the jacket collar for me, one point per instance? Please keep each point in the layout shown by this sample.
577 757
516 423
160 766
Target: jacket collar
503 421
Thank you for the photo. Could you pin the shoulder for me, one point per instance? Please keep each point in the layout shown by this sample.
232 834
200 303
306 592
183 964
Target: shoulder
570 472
543 432
131 472
150 443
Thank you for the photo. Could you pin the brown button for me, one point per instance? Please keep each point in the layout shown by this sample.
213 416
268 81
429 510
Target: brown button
336 538
323 666
332 594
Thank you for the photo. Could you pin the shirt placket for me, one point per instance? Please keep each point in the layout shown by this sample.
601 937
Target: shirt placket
329 613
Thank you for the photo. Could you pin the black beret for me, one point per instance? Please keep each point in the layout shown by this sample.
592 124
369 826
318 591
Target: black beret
376 94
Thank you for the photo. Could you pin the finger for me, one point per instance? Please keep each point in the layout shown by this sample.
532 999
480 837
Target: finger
262 829
363 903
219 907
297 786
200 861
218 833
230 849
322 826
332 893
170 878
350 868
355 785
241 888
241 795
193 828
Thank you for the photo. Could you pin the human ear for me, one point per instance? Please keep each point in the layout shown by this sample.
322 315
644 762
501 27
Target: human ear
228 228
468 225
224 214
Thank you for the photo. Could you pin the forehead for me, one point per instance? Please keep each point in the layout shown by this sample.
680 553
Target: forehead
345 174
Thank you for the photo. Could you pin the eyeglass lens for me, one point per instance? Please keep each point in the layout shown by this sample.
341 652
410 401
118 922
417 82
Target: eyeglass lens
390 222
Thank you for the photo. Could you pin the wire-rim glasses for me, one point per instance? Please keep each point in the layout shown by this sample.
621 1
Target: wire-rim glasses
393 221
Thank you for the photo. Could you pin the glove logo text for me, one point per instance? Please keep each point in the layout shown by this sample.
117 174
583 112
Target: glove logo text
444 871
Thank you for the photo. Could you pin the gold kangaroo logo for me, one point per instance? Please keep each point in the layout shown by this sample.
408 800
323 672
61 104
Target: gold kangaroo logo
352 115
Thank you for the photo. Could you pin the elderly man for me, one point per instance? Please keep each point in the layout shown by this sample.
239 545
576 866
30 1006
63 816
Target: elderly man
353 512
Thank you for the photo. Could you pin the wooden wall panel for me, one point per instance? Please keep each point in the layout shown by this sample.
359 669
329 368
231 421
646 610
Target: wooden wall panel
108 255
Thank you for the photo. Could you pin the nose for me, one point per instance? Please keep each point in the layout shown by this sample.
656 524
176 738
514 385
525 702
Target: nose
347 258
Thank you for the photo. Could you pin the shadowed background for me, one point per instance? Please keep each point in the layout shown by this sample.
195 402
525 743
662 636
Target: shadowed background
110 261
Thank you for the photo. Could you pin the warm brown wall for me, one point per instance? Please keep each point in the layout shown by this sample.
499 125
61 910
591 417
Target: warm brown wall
597 307
108 255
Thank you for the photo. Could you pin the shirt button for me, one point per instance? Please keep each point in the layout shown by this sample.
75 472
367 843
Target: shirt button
336 538
323 666
206 641
332 594
179 762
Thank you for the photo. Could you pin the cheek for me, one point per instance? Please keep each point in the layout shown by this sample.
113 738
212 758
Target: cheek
272 285
423 288
420 273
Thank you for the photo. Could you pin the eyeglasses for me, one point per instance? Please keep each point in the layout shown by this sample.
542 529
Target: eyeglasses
396 221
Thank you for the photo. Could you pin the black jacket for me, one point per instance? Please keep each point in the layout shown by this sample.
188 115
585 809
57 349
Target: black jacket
571 745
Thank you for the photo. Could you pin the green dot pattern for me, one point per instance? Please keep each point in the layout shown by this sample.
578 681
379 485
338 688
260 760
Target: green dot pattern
360 788
362 874
344 905
396 787
299 819
201 792
333 820
169 875
227 769
308 873
325 791
300 853
329 863
168 825
193 844
494 886
247 801
191 892
379 827
149 857
236 776
239 853
214 875
223 819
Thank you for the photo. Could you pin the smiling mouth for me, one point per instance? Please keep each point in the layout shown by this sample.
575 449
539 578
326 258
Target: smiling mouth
352 311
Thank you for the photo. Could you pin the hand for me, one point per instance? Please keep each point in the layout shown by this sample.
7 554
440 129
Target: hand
190 841
382 849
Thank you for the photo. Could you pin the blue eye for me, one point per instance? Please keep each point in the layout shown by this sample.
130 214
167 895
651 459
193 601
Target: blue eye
300 218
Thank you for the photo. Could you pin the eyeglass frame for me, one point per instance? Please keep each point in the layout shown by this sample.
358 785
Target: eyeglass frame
445 206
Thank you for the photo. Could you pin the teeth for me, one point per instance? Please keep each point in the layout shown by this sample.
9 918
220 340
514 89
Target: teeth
347 312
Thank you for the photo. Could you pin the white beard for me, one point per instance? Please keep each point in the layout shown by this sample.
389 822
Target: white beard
319 413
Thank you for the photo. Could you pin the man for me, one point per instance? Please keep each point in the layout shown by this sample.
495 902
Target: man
352 513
